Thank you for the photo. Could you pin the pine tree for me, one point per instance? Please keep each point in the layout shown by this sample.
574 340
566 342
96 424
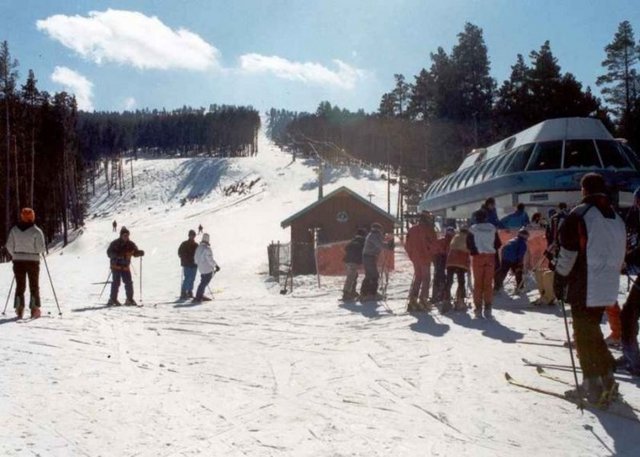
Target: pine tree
620 79
8 77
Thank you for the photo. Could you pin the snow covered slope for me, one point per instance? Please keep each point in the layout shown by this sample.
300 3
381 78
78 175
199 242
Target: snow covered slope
258 373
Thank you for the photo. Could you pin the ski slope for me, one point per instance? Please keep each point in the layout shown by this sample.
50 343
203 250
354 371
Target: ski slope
258 373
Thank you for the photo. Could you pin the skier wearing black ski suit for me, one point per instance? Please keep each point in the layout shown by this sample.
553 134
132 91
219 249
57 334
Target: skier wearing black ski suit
587 275
120 252
631 309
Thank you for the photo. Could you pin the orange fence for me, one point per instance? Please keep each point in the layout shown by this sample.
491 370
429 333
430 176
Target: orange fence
331 255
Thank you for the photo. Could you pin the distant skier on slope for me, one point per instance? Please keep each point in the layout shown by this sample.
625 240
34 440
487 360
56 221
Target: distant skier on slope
115 226
187 252
587 276
120 252
25 244
373 246
207 266
200 229
353 260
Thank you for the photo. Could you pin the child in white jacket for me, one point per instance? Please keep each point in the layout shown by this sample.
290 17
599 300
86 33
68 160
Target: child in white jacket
207 267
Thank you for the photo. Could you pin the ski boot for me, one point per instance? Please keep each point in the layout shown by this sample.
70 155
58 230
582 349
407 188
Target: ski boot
590 390
413 305
184 296
425 304
487 312
445 306
130 302
34 306
113 302
18 305
477 312
205 298
460 305
610 388
630 359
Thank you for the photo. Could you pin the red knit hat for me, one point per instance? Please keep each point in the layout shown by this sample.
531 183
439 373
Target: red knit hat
27 215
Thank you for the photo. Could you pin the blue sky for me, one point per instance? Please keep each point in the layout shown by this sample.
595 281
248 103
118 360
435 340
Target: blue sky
284 53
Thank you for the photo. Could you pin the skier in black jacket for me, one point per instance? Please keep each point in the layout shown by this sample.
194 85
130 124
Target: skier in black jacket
186 252
120 252
352 261
593 231
630 314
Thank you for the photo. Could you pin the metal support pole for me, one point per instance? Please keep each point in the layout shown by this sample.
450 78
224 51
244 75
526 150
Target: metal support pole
6 303
52 288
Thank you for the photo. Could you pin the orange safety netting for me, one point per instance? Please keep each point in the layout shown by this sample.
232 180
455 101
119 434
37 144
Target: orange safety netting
331 263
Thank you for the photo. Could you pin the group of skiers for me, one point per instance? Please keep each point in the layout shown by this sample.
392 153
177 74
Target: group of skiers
25 244
587 249
194 257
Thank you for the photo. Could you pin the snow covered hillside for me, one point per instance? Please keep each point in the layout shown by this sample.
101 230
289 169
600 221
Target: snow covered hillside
258 373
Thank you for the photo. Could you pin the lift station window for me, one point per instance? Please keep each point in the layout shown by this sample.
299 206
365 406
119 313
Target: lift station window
521 157
611 155
547 155
580 154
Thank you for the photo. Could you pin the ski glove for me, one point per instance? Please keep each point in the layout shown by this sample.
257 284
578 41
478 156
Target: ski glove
560 286
138 253
217 268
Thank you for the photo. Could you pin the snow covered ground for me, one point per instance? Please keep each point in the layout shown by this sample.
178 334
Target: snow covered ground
258 373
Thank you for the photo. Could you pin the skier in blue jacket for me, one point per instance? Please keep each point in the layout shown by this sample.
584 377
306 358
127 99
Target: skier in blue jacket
519 218
513 253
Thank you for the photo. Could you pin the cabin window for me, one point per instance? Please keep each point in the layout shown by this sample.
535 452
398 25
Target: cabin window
611 155
498 165
547 155
580 154
461 180
482 171
520 159
631 155
447 183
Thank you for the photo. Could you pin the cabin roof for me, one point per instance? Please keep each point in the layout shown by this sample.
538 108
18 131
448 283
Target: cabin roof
287 222
574 128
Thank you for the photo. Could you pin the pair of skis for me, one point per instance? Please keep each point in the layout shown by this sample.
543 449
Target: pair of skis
610 405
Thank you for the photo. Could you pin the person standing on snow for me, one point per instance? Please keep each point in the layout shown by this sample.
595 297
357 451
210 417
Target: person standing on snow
26 244
373 246
187 252
630 314
587 276
519 218
458 265
483 243
115 226
440 267
352 260
512 258
207 266
200 229
120 252
420 246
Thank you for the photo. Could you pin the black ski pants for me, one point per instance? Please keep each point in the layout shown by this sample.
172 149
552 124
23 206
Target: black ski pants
595 358
630 315
460 291
502 271
439 276
369 285
23 269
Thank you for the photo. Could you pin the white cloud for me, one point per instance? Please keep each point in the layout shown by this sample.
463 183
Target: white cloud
129 103
345 76
74 83
131 38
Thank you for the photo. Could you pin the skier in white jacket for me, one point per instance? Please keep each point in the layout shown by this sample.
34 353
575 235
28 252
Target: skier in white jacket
25 244
207 267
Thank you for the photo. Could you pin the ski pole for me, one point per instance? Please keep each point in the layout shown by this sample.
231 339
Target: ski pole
573 362
52 288
140 279
105 285
6 303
